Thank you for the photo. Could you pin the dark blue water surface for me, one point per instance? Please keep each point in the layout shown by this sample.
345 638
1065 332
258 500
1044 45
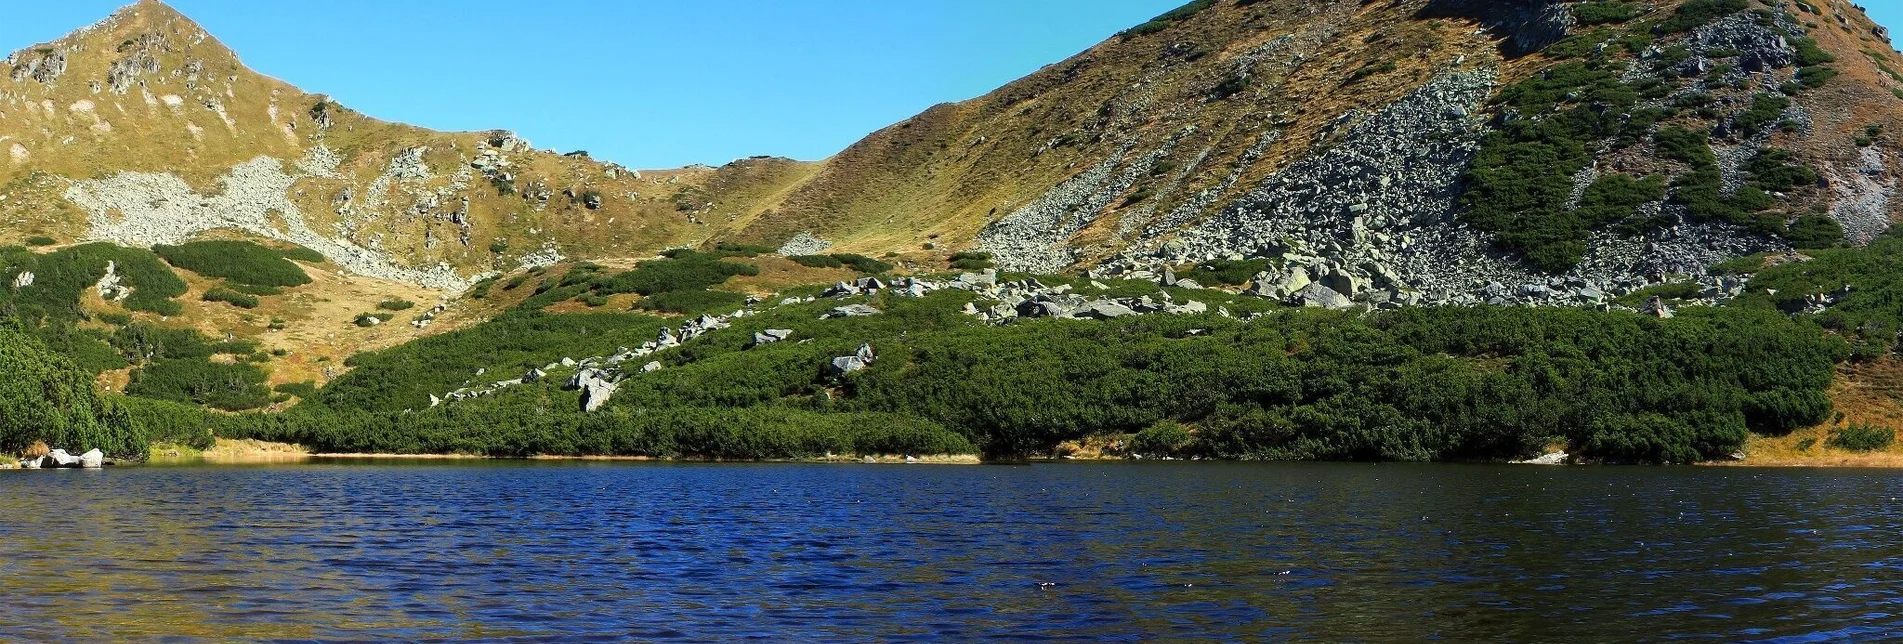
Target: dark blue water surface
1072 552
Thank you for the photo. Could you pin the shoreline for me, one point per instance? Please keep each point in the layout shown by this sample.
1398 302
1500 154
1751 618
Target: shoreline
252 452
248 452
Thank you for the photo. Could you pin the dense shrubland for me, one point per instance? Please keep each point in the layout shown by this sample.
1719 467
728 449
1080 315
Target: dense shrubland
239 262
45 398
1419 384
1416 384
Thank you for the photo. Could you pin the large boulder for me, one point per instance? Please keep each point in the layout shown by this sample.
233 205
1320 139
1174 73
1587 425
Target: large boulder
1316 295
92 459
1103 310
59 458
852 311
771 336
595 391
858 361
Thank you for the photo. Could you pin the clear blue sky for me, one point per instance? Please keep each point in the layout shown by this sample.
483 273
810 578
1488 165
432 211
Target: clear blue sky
648 83
645 83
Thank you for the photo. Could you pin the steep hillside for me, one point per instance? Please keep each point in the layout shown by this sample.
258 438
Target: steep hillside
1402 150
144 129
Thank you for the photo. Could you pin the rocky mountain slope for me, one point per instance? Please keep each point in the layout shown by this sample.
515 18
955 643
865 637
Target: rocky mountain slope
144 129
1401 150
1391 151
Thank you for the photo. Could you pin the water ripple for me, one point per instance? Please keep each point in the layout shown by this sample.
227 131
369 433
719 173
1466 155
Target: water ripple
533 552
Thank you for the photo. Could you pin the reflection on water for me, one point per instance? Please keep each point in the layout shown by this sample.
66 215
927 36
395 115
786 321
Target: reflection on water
786 552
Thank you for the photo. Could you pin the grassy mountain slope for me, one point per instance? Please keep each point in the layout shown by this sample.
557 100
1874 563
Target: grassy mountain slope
1132 143
145 106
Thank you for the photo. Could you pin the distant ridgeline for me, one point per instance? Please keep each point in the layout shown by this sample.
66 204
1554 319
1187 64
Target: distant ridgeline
1251 380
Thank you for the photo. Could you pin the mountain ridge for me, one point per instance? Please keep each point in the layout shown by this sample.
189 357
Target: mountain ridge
1222 131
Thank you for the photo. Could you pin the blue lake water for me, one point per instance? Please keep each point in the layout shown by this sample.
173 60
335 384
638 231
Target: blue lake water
1057 552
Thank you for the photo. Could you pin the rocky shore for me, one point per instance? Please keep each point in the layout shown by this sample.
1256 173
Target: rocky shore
60 459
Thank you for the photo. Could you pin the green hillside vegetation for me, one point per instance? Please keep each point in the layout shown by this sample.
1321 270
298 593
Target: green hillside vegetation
1420 384
1558 121
60 276
1414 384
241 262
45 398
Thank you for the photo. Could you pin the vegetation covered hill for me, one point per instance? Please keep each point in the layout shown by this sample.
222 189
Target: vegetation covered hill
1443 230
144 129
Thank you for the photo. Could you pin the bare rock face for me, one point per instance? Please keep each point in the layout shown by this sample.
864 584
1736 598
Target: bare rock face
595 392
804 244
1526 25
43 65
143 209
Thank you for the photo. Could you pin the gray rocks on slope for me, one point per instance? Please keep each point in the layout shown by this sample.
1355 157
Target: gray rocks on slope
804 244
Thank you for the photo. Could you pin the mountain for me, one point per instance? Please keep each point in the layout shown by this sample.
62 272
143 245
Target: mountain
1697 194
1400 150
1403 149
144 129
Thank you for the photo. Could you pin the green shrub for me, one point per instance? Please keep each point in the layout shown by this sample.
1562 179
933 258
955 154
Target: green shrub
1231 272
1809 54
240 262
1772 170
229 296
141 341
481 289
252 289
61 276
44 397
1765 109
1169 18
1814 77
371 319
1814 231
404 376
971 260
1522 179
41 240
305 389
1701 191
1740 265
161 421
231 387
1606 11
692 302
1164 438
301 254
862 264
396 305
1235 83
1412 384
1698 13
1863 437
817 261
681 271
487 427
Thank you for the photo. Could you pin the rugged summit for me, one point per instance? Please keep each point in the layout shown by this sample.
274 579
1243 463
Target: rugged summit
1393 151
1408 150
144 129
